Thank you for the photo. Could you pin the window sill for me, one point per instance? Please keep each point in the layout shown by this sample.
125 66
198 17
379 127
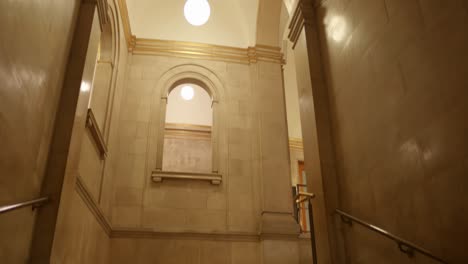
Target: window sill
159 176
96 134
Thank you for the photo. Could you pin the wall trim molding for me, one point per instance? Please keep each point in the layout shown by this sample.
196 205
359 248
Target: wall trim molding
148 233
187 131
193 50
142 233
92 205
233 237
96 134
129 37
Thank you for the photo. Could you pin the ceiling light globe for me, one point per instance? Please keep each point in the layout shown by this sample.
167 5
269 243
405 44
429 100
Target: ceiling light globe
187 93
197 12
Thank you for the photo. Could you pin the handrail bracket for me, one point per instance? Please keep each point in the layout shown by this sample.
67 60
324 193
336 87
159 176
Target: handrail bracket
346 220
406 249
404 246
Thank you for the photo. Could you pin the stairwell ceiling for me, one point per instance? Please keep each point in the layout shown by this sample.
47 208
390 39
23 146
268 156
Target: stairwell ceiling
232 22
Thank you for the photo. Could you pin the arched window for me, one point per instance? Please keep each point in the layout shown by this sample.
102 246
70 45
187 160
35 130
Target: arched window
187 133
103 86
186 146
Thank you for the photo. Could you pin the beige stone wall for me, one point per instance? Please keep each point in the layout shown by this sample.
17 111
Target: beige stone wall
184 205
194 251
83 233
253 161
187 154
35 39
397 75
85 239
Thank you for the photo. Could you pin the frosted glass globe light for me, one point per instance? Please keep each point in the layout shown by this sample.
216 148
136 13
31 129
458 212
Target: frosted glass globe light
197 12
187 93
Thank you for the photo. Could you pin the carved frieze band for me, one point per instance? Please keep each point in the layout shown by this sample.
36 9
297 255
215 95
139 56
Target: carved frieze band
96 134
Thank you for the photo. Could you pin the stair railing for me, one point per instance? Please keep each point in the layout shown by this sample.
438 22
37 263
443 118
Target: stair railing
34 203
405 246
300 198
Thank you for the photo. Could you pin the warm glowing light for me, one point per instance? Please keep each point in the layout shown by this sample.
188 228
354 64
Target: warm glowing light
187 93
85 86
197 12
337 28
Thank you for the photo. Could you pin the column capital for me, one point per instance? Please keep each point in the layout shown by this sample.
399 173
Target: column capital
102 10
304 14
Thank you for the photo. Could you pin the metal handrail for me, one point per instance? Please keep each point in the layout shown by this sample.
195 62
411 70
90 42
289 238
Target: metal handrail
303 197
405 246
34 203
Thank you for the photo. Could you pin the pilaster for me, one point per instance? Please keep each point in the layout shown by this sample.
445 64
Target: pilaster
277 221
304 33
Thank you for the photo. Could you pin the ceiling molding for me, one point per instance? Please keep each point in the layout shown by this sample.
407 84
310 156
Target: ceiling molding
192 50
129 37
102 12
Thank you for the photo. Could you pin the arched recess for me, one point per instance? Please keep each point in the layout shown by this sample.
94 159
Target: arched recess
105 75
268 22
181 74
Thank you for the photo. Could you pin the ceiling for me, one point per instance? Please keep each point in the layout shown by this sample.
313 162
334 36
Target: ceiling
232 22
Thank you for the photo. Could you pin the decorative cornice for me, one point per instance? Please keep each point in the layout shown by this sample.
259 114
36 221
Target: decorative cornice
194 50
129 37
265 53
296 143
302 14
93 206
190 50
96 134
102 12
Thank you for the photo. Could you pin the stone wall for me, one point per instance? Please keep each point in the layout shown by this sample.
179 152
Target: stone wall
187 154
396 74
31 77
254 197
186 205
83 230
